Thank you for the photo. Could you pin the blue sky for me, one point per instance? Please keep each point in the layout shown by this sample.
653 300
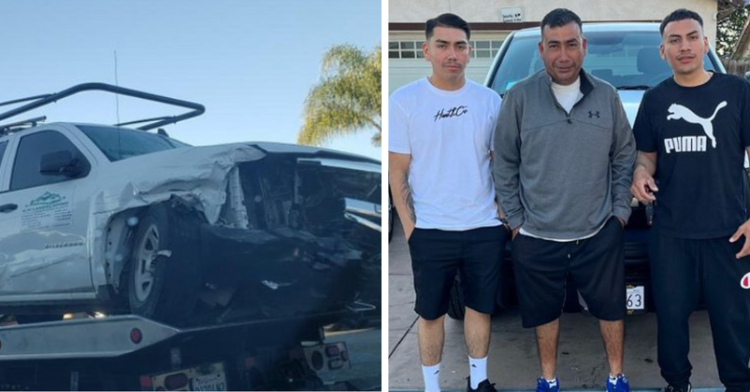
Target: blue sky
251 63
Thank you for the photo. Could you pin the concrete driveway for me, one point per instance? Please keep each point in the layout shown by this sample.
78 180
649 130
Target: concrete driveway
513 363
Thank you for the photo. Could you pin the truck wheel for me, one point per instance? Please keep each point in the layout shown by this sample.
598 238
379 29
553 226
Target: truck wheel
164 272
457 304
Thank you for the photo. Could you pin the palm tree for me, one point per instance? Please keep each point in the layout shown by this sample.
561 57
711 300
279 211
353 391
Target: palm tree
347 98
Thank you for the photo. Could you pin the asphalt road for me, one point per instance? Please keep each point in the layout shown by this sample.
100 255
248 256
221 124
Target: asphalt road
513 363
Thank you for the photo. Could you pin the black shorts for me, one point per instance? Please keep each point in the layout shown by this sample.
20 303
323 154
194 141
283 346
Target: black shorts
436 256
596 264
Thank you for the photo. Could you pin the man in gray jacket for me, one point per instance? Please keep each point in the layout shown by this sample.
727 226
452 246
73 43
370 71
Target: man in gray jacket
562 174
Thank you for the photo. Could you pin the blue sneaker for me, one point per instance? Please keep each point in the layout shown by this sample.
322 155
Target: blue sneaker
621 384
543 385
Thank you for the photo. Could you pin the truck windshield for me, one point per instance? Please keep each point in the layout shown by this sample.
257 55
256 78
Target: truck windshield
628 60
122 143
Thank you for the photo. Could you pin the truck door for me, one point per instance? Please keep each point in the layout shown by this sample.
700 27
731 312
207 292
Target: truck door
44 219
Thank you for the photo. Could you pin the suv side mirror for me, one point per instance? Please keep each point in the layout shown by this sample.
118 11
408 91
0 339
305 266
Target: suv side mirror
62 162
747 76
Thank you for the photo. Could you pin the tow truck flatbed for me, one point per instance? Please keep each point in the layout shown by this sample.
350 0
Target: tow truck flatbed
131 352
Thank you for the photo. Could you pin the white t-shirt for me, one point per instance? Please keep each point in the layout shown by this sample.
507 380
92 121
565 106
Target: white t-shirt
449 135
568 95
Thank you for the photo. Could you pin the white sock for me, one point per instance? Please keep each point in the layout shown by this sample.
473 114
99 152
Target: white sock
477 371
552 382
431 376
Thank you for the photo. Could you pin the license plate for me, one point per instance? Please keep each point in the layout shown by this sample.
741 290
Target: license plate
213 382
636 299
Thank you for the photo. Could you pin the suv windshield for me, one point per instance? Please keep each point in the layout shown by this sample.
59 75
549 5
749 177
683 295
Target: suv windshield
625 59
122 143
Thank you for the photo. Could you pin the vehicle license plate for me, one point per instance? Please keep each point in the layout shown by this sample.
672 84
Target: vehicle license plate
211 382
636 299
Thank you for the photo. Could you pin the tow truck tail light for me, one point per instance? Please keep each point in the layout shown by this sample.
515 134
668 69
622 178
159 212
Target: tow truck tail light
176 381
146 384
332 351
327 357
136 336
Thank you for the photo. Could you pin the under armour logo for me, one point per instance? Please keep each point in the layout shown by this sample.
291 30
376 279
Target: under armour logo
594 114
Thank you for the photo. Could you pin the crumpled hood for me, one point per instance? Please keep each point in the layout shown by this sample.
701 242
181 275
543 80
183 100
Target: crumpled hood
197 174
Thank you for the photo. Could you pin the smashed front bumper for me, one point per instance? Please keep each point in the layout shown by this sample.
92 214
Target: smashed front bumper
279 273
297 235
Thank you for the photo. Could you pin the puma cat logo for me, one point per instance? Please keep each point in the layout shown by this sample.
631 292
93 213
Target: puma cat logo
677 112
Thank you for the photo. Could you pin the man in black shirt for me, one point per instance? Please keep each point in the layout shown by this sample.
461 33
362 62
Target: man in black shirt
692 133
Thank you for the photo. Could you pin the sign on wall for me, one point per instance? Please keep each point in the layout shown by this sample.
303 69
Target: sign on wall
511 15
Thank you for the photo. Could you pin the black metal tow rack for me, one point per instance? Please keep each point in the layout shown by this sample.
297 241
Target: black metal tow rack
42 100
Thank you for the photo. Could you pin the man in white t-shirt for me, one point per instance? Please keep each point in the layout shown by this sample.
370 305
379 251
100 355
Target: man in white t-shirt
440 150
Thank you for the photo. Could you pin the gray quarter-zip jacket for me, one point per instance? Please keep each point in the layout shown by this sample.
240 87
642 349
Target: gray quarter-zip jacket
561 175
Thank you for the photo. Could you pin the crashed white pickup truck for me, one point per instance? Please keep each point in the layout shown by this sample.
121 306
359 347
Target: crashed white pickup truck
119 220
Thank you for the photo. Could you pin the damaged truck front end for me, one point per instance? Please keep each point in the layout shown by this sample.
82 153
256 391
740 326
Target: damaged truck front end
222 233
299 233
111 219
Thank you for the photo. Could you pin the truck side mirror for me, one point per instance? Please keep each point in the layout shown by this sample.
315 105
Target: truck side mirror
62 162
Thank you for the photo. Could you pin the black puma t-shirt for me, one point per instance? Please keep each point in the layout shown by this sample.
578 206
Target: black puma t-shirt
699 134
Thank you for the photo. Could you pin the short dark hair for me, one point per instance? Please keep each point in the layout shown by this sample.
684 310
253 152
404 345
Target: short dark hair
678 15
559 17
447 20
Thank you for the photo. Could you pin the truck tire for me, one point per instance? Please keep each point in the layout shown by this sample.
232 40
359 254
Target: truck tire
164 273
457 304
